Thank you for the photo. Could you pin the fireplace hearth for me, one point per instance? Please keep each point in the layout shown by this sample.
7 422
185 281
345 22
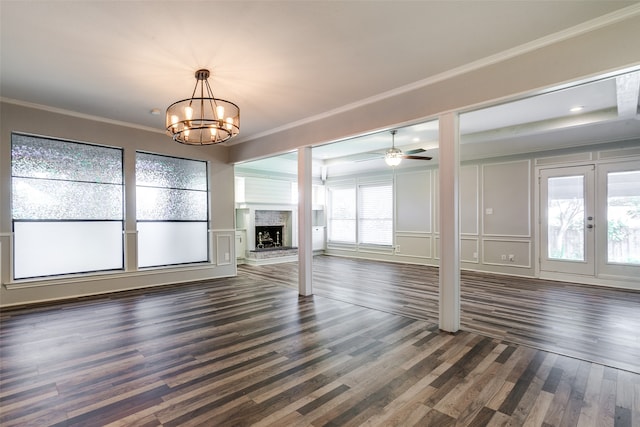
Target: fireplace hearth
269 236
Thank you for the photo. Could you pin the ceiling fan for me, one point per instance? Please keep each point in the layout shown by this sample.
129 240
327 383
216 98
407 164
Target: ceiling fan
393 156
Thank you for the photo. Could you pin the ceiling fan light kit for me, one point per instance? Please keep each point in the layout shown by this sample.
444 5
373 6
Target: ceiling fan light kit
202 119
393 156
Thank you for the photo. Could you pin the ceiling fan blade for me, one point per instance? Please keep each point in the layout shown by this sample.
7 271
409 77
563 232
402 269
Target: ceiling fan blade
416 157
416 151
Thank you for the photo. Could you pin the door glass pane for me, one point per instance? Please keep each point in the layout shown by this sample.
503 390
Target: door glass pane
623 217
565 210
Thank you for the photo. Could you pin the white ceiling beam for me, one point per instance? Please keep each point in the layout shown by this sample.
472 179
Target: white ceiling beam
543 126
628 93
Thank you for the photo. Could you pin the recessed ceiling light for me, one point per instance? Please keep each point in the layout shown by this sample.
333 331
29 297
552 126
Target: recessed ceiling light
155 111
576 109
416 139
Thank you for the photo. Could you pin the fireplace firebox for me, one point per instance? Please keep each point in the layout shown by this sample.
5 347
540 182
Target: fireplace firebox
269 236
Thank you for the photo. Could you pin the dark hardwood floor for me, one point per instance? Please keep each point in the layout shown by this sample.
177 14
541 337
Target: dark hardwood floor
596 324
248 351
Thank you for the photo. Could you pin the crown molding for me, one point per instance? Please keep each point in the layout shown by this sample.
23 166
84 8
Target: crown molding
79 115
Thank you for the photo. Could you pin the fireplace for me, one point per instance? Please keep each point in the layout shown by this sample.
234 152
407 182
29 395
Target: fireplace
269 236
273 229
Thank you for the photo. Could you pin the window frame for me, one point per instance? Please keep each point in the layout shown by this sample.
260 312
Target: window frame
330 203
63 221
356 187
206 221
360 214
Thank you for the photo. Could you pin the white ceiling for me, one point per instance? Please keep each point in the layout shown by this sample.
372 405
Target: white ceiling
284 62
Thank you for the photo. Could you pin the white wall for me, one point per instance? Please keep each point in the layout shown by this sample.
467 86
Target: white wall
505 214
497 213
15 118
414 195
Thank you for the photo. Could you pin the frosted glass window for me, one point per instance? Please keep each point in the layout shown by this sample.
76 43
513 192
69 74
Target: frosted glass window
167 243
54 248
46 158
375 214
51 199
170 204
172 210
67 207
153 170
342 215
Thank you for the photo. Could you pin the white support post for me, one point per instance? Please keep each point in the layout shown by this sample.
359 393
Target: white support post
305 247
449 223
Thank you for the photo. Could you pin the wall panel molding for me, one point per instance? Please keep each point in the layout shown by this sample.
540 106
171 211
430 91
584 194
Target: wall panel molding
494 249
225 252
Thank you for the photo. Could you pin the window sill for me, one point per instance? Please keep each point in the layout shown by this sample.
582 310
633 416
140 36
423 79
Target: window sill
95 277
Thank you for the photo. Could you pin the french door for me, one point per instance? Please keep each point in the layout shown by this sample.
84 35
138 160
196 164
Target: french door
590 220
618 238
567 220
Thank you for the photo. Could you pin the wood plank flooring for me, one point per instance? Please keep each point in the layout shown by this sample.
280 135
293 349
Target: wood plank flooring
596 324
248 351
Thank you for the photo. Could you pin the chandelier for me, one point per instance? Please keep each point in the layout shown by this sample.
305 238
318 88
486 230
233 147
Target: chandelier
202 119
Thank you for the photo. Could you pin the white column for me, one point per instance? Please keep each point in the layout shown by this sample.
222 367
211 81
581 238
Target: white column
130 222
305 248
449 223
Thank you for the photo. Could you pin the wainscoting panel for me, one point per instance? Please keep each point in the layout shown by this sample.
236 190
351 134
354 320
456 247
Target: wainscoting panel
507 252
224 249
413 201
506 208
414 245
469 249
